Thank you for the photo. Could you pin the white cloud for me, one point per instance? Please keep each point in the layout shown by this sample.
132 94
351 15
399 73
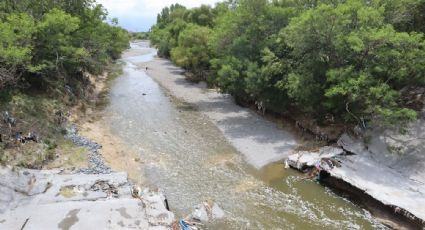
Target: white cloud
141 14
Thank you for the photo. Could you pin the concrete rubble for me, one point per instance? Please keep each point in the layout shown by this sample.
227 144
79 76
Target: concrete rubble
396 180
206 212
304 159
386 164
50 199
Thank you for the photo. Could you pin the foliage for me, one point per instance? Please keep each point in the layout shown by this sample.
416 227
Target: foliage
192 49
50 44
348 58
140 35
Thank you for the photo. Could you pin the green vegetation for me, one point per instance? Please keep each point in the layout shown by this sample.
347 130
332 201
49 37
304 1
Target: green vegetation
48 45
140 35
345 58
50 54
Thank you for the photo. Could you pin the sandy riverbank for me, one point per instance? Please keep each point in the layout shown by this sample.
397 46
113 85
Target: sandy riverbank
116 153
260 141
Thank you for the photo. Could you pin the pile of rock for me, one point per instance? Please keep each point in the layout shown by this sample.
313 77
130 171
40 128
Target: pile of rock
96 163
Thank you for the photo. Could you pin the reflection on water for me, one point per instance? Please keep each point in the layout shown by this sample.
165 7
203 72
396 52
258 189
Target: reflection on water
187 156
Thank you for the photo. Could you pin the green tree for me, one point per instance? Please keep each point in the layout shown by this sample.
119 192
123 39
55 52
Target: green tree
52 43
192 51
348 59
16 33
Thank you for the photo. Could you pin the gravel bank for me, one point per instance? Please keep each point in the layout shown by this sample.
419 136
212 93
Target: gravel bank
260 141
96 163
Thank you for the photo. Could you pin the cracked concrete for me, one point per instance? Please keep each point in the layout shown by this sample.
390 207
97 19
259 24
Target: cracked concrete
52 200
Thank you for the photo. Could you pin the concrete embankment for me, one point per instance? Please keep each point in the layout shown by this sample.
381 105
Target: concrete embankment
392 190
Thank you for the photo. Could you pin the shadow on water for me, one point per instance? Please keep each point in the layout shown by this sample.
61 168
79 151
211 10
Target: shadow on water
187 156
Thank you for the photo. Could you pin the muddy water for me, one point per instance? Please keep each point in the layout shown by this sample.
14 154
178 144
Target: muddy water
186 155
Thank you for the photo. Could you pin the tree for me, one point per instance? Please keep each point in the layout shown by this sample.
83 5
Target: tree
52 43
348 59
15 52
192 51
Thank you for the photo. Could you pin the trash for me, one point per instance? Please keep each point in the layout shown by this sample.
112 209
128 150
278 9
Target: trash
20 138
8 119
286 164
183 225
136 192
106 187
30 137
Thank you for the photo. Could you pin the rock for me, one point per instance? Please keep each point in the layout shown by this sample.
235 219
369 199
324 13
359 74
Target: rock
303 159
207 211
217 212
96 163
156 210
200 213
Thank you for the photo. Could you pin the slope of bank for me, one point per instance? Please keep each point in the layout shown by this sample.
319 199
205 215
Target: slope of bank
260 141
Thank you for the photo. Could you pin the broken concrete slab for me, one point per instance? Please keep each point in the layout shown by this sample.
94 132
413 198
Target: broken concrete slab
374 173
391 184
77 201
107 214
156 211
303 159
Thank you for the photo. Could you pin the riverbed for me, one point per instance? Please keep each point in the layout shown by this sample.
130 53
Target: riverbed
185 153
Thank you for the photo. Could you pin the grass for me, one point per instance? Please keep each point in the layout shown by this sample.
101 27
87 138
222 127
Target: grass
114 71
69 155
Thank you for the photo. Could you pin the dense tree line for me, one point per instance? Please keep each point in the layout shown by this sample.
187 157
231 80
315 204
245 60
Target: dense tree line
346 58
140 35
50 44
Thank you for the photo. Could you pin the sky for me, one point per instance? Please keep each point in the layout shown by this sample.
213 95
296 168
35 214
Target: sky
140 15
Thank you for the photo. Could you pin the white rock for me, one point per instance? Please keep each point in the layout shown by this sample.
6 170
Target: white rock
217 212
200 214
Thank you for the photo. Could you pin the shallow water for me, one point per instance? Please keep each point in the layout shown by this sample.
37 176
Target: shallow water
187 156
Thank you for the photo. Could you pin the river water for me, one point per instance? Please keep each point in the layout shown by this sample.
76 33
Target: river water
186 156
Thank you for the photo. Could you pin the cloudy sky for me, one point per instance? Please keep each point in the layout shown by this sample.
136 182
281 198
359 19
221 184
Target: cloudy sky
140 15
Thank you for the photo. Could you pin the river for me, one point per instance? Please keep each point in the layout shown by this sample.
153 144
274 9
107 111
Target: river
189 158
